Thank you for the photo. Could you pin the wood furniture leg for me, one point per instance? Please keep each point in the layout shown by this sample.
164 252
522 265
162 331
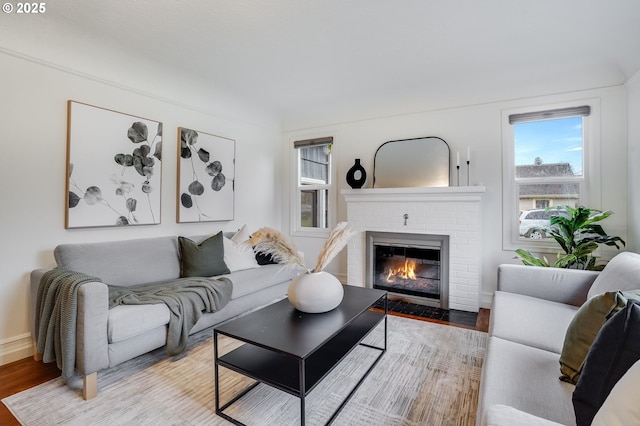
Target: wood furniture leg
90 386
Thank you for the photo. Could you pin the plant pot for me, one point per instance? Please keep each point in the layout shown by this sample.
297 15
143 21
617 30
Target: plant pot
315 292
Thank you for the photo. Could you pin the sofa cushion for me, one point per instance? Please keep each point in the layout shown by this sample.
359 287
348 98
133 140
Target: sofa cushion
127 321
205 259
123 262
621 273
531 321
584 328
525 378
615 349
251 280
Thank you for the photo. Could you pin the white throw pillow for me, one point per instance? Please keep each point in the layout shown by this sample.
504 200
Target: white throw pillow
238 254
621 407
241 236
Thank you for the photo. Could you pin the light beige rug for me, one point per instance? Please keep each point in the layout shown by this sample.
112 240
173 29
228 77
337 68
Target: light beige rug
429 376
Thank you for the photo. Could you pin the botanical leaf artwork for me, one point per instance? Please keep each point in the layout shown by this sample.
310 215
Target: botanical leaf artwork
114 168
206 176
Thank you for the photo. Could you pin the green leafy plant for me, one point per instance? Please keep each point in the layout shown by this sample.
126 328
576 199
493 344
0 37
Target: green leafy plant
578 234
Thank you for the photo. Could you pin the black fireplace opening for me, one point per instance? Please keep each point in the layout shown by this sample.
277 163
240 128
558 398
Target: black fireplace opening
409 270
412 267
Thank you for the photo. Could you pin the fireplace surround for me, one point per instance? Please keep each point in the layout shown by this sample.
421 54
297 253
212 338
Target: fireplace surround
453 212
412 267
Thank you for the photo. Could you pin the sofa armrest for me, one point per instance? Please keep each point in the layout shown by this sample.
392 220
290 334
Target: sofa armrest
92 353
555 284
503 415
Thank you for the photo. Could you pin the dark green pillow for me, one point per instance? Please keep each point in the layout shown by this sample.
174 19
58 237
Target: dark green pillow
585 327
202 260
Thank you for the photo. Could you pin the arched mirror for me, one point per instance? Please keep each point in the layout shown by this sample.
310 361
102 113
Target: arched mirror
419 162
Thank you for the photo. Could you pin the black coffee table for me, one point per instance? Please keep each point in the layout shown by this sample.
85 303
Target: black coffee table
293 351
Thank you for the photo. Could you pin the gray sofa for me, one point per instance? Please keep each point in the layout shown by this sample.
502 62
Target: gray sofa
107 337
531 311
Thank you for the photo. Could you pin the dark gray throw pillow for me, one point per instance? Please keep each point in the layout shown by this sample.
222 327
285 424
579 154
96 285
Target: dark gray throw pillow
264 259
202 260
615 349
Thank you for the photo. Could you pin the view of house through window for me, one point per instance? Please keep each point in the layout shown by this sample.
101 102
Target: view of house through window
314 181
549 166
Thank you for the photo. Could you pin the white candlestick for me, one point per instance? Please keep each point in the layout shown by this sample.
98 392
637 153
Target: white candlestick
458 158
468 154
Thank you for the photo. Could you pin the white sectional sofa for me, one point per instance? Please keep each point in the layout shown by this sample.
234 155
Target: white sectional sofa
532 309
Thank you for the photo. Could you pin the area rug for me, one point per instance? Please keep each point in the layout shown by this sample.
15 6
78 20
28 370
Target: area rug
429 375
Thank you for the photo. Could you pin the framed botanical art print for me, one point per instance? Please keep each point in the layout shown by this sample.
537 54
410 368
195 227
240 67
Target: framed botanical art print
206 174
113 168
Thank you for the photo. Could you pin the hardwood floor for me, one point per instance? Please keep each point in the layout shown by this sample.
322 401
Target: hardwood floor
26 373
20 375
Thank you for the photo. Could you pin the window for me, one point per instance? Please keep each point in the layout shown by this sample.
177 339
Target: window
543 204
546 156
314 186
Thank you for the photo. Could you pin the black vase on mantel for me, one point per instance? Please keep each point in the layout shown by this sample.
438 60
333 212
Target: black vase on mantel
356 176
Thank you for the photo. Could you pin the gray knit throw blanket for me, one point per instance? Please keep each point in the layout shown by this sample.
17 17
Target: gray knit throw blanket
56 316
57 309
186 298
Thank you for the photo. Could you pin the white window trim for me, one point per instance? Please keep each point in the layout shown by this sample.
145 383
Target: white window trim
296 229
590 191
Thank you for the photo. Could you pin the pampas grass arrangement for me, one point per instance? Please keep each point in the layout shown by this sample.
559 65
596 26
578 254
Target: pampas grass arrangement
272 242
338 238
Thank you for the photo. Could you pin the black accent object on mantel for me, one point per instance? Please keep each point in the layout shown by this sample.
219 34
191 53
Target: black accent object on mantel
351 175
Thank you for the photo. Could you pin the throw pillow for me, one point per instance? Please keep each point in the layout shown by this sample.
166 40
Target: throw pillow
239 256
241 235
585 326
202 260
264 259
621 407
615 349
621 273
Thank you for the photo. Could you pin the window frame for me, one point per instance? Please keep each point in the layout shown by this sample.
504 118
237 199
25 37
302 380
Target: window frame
590 191
297 189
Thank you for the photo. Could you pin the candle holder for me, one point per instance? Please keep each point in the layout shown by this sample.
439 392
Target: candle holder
458 169
468 172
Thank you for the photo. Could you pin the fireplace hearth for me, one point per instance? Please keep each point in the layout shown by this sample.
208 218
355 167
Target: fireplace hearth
412 267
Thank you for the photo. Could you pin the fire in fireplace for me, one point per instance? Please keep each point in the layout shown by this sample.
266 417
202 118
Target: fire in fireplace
409 266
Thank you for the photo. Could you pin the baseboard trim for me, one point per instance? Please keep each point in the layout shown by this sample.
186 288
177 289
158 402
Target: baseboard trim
486 299
15 348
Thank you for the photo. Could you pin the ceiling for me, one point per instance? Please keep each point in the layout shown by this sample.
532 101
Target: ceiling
297 55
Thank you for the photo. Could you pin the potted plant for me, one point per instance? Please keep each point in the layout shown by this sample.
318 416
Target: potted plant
578 234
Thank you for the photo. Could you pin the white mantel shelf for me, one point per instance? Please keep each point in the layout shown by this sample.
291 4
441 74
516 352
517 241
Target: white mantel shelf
394 195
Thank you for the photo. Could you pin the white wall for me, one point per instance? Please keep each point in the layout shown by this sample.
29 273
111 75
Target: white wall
33 118
633 107
478 127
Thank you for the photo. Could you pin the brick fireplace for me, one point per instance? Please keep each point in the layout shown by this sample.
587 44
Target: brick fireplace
452 212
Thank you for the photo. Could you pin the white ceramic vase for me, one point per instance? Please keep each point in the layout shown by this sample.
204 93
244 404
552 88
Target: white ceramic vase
315 292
